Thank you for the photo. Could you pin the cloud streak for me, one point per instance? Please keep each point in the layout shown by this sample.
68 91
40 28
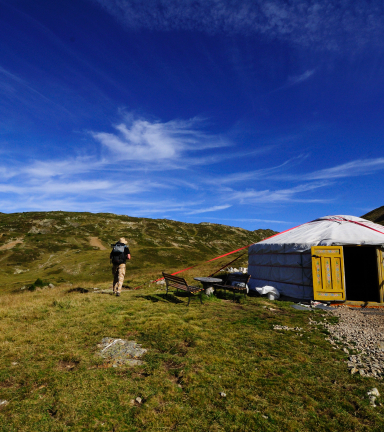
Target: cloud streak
145 167
326 24
145 141
251 196
209 209
349 169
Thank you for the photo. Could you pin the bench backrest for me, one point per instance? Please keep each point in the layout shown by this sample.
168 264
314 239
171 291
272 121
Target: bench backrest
175 281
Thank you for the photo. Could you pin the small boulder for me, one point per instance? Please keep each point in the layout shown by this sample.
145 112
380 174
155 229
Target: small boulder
374 392
51 285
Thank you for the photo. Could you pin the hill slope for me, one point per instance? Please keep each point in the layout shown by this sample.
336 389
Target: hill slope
376 215
74 247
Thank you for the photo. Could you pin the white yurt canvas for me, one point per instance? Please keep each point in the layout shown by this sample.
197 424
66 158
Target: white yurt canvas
284 261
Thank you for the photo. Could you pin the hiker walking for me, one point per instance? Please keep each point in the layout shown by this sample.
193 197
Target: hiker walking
118 256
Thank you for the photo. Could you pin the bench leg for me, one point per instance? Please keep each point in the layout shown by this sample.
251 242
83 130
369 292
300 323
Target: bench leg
189 299
166 294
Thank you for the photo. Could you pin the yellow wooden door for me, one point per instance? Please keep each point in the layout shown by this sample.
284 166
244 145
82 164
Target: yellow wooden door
328 273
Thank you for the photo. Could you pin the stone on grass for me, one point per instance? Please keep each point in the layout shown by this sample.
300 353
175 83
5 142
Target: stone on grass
3 403
374 392
139 400
222 394
51 285
118 352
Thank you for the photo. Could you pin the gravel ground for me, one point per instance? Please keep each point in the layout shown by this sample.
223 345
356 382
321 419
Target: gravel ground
360 333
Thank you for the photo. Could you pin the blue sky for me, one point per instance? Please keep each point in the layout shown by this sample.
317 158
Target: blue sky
259 114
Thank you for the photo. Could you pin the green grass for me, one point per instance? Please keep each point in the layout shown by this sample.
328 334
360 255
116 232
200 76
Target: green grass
274 381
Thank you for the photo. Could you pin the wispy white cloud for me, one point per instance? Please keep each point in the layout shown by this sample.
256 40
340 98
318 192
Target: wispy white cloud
146 141
263 173
209 209
251 196
145 167
293 80
13 81
350 169
326 24
252 220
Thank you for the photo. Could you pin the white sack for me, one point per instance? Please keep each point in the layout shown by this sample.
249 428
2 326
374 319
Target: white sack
268 289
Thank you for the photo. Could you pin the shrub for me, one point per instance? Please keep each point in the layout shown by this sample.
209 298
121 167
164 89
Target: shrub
38 282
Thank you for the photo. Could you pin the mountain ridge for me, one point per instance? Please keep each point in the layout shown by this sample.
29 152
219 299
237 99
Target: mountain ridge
65 246
376 215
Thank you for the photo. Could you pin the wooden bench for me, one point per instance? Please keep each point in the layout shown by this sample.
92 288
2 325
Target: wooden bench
233 277
181 284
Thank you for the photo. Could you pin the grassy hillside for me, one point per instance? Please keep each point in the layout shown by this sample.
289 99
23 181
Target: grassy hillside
74 247
376 215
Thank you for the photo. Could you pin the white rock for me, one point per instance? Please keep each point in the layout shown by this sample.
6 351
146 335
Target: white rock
222 394
51 286
139 400
3 402
374 392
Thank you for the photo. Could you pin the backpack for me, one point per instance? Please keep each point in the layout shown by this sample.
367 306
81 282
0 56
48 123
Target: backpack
118 254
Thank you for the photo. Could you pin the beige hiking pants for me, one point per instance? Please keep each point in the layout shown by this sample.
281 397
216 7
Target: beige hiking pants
118 271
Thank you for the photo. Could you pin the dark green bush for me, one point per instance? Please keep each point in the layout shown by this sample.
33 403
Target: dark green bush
38 282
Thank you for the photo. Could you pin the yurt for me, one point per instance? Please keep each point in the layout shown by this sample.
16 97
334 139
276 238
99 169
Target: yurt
333 258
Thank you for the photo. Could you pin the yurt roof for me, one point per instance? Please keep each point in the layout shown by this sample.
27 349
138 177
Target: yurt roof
324 231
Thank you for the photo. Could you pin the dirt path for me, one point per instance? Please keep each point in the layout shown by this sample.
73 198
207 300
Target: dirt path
11 244
95 241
